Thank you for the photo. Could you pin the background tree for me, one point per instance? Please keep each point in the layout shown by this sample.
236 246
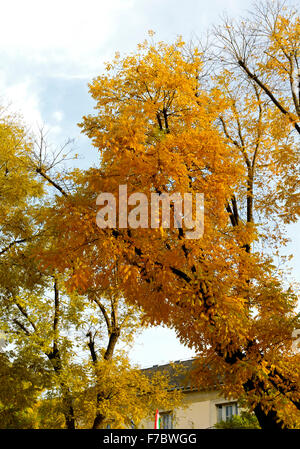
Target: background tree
264 48
19 188
63 341
19 389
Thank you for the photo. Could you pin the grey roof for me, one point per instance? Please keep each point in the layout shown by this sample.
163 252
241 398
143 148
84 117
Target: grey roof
178 372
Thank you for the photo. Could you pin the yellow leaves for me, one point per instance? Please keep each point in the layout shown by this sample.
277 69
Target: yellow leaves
265 368
81 279
124 272
127 394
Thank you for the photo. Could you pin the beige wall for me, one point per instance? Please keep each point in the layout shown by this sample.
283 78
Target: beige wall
199 411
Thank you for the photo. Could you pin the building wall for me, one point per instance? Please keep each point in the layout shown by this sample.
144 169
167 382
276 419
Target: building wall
199 411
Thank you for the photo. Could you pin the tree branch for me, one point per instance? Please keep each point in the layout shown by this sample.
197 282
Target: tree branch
269 93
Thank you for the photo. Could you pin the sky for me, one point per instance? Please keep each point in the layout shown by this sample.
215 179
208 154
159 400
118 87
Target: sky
50 51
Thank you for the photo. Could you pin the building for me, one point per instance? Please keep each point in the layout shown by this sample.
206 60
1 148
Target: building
200 410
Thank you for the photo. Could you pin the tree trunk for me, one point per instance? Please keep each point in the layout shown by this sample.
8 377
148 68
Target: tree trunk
268 420
67 400
113 339
99 418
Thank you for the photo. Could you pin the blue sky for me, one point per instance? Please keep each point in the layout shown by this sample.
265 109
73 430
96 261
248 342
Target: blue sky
49 51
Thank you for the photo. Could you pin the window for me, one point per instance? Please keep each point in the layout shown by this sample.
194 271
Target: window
166 420
229 411
226 411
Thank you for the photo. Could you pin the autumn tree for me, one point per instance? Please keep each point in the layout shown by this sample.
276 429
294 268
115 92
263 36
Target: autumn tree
264 48
64 336
22 285
159 129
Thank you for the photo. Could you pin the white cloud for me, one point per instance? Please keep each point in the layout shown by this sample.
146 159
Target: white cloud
56 130
69 27
22 99
158 345
58 116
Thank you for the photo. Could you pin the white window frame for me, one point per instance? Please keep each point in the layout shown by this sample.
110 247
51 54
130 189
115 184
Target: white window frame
226 410
170 420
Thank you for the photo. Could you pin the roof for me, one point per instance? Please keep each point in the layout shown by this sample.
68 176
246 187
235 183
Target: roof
179 372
